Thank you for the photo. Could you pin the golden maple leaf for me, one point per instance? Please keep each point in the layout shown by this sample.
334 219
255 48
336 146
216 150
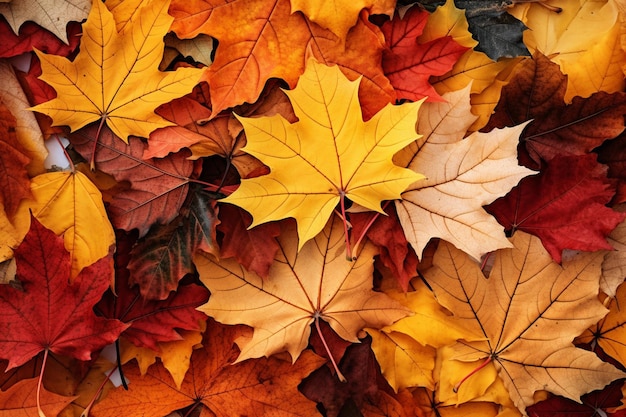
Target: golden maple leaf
329 154
115 76
302 287
528 311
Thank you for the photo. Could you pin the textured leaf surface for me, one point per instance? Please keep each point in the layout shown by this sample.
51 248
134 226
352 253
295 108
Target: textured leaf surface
158 187
13 162
528 311
356 160
51 14
115 77
224 390
51 313
316 282
541 205
462 176
21 400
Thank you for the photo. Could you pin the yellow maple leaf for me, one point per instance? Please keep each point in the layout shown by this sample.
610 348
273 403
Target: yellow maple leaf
302 287
528 311
115 76
70 205
330 153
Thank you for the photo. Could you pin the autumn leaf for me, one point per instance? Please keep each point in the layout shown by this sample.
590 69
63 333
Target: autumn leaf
158 187
52 15
541 205
33 36
13 162
528 311
215 384
409 63
164 256
253 248
536 92
340 15
153 321
462 176
70 204
20 400
303 287
115 79
51 314
329 123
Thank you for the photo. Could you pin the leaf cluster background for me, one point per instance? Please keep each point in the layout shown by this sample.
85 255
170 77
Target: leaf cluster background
292 208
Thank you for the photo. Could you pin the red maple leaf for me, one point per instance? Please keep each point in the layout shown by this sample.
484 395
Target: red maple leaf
543 205
34 36
51 313
409 64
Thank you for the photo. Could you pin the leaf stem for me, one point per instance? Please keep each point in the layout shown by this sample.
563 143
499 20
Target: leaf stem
67 155
87 409
118 358
92 163
367 227
39 383
330 355
342 204
455 389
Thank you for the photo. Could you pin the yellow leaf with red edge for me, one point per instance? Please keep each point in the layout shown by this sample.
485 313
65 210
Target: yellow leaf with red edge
70 205
115 78
334 153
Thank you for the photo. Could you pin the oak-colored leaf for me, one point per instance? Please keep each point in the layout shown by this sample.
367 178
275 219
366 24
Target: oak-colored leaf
528 311
51 313
71 205
462 176
614 265
21 400
51 14
335 153
427 405
266 386
302 287
115 77
340 15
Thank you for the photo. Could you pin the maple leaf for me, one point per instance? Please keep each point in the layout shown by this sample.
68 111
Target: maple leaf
541 205
330 124
158 187
340 15
253 248
51 14
51 314
20 400
610 331
427 405
115 77
214 383
408 63
164 256
462 176
70 204
13 162
303 287
153 321
536 92
528 312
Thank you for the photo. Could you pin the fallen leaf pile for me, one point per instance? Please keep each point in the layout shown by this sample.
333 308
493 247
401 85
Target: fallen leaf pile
292 208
